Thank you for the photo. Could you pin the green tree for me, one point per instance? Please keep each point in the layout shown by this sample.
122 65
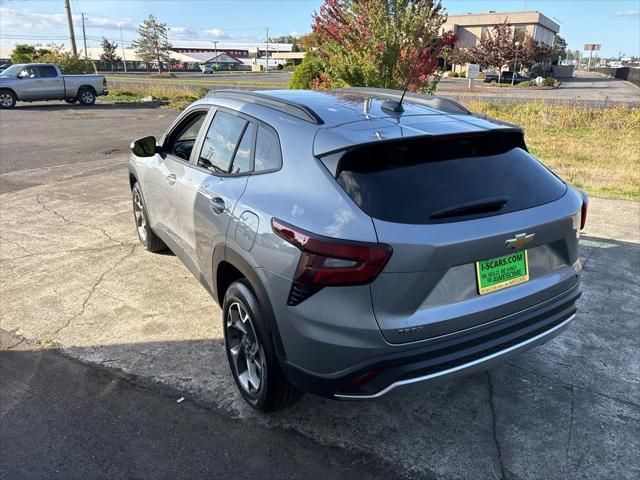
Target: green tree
153 44
23 53
559 49
109 51
283 39
69 63
379 43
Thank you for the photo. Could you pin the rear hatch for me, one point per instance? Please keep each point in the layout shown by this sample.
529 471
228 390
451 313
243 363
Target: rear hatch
479 228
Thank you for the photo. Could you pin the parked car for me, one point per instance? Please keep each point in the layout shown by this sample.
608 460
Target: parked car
506 77
207 69
356 244
44 81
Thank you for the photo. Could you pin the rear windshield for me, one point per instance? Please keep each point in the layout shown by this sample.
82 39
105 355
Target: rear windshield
445 179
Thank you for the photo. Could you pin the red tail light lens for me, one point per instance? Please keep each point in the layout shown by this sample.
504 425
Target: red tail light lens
331 262
583 213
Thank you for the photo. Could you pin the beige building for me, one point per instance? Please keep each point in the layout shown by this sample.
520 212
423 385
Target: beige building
471 27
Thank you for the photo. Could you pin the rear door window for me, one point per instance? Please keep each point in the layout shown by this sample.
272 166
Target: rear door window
221 141
47 71
437 180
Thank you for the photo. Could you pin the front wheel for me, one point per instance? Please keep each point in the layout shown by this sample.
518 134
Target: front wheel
149 240
249 345
86 96
7 99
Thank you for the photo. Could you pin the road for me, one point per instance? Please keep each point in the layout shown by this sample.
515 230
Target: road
73 277
63 419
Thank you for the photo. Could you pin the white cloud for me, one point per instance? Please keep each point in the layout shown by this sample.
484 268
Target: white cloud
31 22
628 13
185 33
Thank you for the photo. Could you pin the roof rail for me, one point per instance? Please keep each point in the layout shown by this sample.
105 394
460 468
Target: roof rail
297 110
439 103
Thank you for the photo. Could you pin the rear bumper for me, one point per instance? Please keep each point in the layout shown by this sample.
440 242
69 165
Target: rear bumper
448 357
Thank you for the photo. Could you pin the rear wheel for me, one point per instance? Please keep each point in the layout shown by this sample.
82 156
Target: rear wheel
86 96
249 346
149 240
7 99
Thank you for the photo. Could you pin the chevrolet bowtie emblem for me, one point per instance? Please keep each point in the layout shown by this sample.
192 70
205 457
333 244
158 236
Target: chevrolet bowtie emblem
520 240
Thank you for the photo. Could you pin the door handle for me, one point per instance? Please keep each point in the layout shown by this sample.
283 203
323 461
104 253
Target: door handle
171 179
216 204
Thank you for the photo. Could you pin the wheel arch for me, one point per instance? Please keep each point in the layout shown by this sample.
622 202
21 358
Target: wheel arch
229 266
10 90
87 87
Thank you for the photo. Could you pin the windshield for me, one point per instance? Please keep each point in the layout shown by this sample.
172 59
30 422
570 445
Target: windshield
12 71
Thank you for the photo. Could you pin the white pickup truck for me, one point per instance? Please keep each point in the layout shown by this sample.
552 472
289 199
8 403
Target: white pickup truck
29 82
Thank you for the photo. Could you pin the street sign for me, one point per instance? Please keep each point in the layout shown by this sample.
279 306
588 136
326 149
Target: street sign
473 70
591 47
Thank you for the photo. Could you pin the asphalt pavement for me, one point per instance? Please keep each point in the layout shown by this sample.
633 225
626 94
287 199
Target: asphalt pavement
61 419
73 278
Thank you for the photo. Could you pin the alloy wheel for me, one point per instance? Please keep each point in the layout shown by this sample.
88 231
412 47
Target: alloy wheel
138 212
247 355
6 100
86 96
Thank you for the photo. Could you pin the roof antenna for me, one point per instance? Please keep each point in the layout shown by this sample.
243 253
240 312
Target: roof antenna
396 106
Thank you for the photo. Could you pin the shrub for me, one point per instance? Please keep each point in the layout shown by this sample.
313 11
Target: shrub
537 71
309 70
526 83
549 82
463 74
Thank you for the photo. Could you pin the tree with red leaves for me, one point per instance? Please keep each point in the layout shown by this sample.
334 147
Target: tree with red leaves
495 49
379 43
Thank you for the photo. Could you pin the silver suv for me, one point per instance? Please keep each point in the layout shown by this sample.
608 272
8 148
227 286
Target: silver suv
358 242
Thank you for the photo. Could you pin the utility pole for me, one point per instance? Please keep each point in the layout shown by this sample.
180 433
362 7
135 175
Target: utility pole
124 58
70 22
267 53
84 36
215 55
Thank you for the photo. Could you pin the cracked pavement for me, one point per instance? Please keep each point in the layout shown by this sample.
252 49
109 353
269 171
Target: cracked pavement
73 278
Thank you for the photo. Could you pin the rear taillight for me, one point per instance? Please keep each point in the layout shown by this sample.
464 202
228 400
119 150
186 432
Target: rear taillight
583 211
104 82
331 262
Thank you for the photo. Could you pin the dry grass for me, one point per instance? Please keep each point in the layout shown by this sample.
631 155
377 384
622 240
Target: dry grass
594 149
176 96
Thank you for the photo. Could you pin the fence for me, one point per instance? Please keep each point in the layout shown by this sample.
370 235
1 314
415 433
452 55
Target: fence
136 66
624 73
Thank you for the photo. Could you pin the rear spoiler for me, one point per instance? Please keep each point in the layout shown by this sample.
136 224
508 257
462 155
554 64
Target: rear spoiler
496 141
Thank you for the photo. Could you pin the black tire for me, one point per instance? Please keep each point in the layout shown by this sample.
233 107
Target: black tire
71 100
149 240
86 96
274 392
7 99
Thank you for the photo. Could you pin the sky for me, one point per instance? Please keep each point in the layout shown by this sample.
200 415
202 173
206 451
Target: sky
613 23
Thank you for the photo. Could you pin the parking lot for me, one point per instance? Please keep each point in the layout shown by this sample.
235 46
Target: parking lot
74 277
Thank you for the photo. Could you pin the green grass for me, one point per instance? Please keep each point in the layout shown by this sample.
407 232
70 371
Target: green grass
594 149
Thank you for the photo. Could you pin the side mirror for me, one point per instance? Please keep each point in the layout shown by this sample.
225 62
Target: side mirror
144 147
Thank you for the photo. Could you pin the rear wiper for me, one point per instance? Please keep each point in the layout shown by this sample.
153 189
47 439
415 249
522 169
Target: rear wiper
469 208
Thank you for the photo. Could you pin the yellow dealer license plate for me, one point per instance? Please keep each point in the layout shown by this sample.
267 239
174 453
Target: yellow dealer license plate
502 272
